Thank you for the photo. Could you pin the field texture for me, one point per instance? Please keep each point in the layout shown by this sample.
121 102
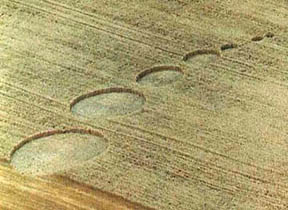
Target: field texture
169 104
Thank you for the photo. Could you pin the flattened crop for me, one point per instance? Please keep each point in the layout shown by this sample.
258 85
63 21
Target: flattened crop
107 102
53 151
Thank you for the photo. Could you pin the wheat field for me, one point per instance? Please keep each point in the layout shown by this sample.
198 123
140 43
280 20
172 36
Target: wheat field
170 104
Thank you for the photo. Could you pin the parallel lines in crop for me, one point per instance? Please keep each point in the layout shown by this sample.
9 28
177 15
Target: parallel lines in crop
15 120
90 25
181 120
73 69
198 147
239 62
240 74
31 92
77 70
44 99
216 168
30 72
189 179
16 133
117 132
55 40
233 61
118 25
186 103
189 157
151 100
147 141
27 103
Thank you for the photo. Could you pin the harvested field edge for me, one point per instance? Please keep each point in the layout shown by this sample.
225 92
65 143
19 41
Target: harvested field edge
76 195
114 198
201 52
50 133
105 91
158 69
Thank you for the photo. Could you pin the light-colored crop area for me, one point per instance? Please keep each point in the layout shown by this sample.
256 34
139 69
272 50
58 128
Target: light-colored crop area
208 132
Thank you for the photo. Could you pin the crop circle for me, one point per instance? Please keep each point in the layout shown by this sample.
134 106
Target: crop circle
201 53
52 151
159 75
257 38
107 102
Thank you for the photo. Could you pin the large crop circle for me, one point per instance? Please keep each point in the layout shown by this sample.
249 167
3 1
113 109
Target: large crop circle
57 150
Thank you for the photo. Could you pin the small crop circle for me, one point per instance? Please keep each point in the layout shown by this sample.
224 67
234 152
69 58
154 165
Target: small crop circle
228 46
257 38
159 75
201 52
269 35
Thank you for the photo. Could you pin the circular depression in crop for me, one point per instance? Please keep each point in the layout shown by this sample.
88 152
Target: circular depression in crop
107 102
53 151
202 56
160 75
